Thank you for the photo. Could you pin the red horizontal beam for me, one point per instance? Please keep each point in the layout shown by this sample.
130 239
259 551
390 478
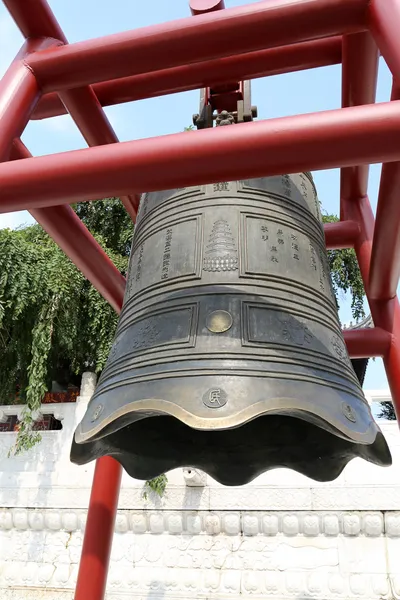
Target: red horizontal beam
364 343
262 63
325 140
342 234
360 59
68 231
229 32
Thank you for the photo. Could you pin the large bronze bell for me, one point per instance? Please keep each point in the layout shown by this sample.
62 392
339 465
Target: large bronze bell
229 355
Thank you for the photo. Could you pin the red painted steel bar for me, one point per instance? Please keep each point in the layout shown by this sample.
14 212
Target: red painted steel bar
364 343
81 103
99 530
344 137
85 109
74 239
385 314
35 19
385 260
19 94
341 235
385 266
254 65
360 58
229 32
383 20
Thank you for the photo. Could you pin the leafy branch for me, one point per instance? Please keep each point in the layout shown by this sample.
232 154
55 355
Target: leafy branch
156 485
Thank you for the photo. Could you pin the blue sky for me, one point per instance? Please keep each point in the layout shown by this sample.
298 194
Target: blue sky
307 91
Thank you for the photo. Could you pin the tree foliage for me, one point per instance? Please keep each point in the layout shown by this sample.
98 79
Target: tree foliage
53 323
345 275
156 486
387 411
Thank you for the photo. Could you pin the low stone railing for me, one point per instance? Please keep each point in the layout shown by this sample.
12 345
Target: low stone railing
282 535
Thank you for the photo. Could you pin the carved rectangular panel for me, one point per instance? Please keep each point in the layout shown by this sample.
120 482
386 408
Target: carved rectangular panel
265 325
168 253
172 327
284 252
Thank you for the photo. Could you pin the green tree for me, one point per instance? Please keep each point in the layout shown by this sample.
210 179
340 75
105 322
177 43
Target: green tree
53 323
387 411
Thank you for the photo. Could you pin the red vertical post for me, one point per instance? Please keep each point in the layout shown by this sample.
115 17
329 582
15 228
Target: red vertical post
96 550
385 313
263 63
385 268
359 77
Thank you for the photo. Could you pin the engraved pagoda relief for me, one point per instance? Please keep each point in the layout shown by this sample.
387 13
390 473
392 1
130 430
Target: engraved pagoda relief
220 252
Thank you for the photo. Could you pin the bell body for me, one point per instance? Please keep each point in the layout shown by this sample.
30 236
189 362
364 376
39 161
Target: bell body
229 355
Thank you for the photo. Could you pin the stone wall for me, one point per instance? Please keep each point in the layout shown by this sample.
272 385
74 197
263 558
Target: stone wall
282 536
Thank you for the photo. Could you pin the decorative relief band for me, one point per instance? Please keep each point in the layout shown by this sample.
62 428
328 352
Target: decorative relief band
263 324
230 523
213 580
153 200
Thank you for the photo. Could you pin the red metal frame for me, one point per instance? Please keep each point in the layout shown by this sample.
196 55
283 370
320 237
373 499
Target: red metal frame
50 77
263 63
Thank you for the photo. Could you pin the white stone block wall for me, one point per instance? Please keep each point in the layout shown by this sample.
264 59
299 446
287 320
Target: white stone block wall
283 536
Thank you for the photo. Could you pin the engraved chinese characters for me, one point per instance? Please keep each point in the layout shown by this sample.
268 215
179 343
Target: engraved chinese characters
228 355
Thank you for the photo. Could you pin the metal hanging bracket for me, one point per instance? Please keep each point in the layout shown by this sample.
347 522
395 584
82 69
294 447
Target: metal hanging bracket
223 104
